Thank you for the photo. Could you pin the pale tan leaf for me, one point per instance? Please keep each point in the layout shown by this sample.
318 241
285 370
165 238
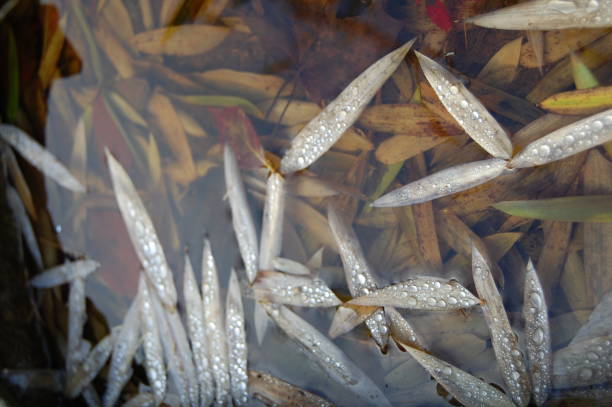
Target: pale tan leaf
184 40
501 69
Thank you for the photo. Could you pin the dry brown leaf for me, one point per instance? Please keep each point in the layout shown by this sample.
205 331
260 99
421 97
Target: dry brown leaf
559 43
552 256
574 281
536 43
501 69
247 84
353 140
114 49
54 42
403 146
116 12
410 118
184 40
289 112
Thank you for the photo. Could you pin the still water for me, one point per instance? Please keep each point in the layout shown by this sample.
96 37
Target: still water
251 74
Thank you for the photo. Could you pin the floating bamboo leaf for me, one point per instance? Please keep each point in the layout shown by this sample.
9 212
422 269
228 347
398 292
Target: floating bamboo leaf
593 208
583 77
505 342
221 101
244 228
357 272
422 293
236 342
274 391
547 15
347 317
445 182
471 115
76 320
401 330
578 102
183 40
271 242
469 390
583 364
567 141
537 333
327 355
64 273
39 157
328 126
290 266
86 371
295 290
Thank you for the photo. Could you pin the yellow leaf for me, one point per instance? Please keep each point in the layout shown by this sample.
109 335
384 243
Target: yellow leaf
579 102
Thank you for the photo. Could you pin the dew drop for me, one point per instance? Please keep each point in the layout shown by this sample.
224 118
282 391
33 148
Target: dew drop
454 90
411 301
544 151
536 300
538 336
585 374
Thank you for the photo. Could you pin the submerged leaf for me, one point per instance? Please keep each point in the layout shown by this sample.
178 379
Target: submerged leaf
471 115
347 317
537 333
295 290
272 224
583 77
274 391
401 330
501 69
567 141
328 126
290 266
582 101
594 208
327 355
583 364
22 220
505 343
142 233
39 157
422 293
244 228
445 182
64 273
469 390
548 15
236 342
180 40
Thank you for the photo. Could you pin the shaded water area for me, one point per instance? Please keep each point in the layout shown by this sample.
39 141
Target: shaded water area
165 84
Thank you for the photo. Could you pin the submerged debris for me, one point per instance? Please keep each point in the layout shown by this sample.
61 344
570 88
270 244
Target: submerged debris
276 392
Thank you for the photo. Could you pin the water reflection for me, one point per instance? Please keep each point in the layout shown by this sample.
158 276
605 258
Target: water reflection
164 102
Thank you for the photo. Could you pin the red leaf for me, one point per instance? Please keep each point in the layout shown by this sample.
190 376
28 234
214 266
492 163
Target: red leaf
439 15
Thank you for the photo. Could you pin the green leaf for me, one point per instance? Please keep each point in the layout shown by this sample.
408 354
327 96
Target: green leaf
593 208
388 177
222 101
583 77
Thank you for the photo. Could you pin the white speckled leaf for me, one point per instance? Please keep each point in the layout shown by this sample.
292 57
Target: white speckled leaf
548 15
422 293
505 343
124 348
86 371
236 342
401 330
39 157
241 214
583 364
301 291
469 390
272 224
197 333
537 334
327 355
76 320
153 351
328 126
214 321
566 141
442 183
290 266
64 273
357 272
273 391
142 233
469 113
347 318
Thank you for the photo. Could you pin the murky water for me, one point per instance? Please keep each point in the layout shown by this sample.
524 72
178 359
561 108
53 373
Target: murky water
164 108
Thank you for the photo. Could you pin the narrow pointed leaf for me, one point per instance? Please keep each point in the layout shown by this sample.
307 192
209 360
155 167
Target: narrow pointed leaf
327 355
347 318
64 273
39 157
505 342
236 342
85 372
442 183
569 140
469 390
142 233
583 364
213 318
273 391
401 330
583 77
328 126
357 272
469 113
76 320
197 333
422 293
578 102
23 221
548 15
593 208
155 366
241 214
537 333
272 227
290 266
301 291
